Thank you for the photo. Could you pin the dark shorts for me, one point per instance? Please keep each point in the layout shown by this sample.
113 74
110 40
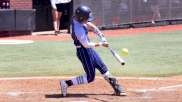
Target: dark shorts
63 7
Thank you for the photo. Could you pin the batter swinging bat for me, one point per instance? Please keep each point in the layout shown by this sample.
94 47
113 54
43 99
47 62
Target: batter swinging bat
118 58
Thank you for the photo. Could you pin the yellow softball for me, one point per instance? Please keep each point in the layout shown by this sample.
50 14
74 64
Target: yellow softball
124 51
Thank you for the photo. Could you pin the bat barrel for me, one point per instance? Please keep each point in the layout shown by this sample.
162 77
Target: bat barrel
118 58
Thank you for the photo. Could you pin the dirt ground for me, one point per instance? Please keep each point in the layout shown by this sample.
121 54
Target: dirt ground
47 89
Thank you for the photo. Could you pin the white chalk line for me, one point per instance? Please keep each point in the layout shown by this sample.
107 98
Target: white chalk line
165 88
65 77
20 93
14 41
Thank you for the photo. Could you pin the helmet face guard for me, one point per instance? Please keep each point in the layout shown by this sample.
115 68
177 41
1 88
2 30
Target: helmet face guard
84 13
91 17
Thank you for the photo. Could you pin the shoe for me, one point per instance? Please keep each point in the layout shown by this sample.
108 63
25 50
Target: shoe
64 87
153 22
117 88
123 93
56 32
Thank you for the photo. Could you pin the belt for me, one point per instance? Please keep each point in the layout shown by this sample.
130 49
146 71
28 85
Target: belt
78 46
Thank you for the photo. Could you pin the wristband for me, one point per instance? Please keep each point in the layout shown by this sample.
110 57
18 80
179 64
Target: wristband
100 43
103 39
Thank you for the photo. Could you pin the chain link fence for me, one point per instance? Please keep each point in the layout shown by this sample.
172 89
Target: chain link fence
118 12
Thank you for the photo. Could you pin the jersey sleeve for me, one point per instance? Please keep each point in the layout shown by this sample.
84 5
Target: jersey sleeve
82 36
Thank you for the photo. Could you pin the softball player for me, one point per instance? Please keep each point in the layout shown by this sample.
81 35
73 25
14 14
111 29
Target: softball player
86 54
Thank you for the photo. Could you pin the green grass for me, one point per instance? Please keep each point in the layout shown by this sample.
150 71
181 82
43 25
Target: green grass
150 54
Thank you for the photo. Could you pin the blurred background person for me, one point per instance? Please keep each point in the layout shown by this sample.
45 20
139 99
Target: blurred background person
154 6
58 7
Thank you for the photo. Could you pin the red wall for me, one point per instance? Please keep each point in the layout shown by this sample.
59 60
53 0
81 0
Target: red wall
21 4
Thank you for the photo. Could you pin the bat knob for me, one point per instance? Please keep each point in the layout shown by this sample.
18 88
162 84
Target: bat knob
123 63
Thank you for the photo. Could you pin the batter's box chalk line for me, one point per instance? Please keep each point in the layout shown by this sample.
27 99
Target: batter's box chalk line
165 88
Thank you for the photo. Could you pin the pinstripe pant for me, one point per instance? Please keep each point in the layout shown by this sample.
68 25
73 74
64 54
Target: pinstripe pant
90 61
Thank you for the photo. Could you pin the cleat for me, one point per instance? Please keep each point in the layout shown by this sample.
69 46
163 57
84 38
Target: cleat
123 94
64 87
117 88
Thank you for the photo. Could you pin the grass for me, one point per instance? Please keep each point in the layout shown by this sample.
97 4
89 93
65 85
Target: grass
150 54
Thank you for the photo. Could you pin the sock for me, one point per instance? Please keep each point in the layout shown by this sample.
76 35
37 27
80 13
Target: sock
107 75
82 79
69 82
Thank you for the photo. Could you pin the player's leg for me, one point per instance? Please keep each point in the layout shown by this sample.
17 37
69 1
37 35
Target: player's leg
85 56
87 62
118 89
82 79
107 76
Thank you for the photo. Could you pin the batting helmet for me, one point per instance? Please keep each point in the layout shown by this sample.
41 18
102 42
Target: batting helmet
83 13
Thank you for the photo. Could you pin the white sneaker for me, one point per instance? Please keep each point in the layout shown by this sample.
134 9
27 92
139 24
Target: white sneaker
63 88
123 94
153 22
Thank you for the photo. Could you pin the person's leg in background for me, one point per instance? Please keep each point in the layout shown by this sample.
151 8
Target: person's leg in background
156 13
56 20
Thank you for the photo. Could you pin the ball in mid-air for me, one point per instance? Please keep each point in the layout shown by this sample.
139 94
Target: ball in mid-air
125 51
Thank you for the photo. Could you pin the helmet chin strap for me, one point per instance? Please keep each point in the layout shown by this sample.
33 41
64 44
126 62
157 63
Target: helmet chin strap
81 19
